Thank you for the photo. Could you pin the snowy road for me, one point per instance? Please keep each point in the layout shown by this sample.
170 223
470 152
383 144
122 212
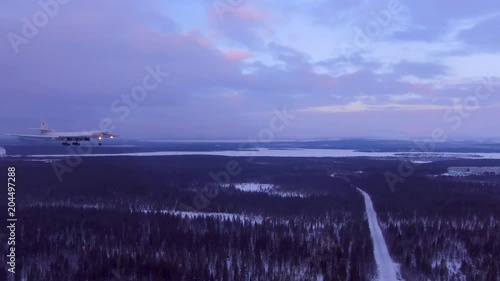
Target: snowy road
387 269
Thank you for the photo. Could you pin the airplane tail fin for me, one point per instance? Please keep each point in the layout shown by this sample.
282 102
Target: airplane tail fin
44 128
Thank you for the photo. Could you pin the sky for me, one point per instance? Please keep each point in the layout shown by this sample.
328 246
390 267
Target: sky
269 69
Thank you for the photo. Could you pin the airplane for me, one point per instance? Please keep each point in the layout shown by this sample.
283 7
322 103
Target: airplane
46 133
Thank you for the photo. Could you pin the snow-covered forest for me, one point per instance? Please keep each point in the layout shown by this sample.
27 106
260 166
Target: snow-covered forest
135 219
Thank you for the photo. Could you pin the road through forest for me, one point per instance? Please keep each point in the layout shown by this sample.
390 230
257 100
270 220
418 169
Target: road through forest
387 269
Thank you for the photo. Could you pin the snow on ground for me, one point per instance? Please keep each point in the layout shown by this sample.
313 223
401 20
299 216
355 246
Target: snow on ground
289 194
221 216
452 265
67 205
387 269
261 152
190 215
254 187
467 171
265 188
420 161
456 174
41 160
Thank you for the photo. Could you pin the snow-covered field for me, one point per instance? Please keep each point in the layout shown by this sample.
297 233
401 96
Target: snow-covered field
387 269
262 152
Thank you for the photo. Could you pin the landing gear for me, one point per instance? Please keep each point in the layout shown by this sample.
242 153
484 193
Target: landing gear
66 144
76 143
100 143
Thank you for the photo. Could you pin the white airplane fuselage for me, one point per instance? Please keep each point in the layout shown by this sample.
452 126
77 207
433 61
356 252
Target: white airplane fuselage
66 137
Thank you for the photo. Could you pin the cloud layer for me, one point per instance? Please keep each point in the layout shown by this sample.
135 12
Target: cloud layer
346 69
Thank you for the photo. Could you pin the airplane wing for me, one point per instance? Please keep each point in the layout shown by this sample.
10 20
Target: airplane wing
56 137
72 135
47 137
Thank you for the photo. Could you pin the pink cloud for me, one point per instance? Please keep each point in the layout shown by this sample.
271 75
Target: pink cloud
237 55
331 81
424 89
149 40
